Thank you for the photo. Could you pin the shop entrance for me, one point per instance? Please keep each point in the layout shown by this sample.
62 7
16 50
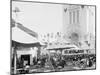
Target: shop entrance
25 59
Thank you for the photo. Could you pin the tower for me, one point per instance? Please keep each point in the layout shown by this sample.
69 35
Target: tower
74 22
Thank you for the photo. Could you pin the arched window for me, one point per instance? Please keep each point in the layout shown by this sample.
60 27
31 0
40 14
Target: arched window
77 16
70 17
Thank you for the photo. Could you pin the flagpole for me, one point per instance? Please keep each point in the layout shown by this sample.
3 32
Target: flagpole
16 10
15 61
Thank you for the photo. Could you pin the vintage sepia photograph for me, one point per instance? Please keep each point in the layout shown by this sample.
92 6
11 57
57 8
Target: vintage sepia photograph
52 37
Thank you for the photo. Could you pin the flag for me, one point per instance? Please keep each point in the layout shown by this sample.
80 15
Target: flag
16 10
65 10
51 35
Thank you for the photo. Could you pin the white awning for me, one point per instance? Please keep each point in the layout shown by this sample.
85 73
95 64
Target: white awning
21 36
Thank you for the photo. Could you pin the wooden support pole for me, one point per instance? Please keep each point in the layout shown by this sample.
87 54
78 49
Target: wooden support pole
15 61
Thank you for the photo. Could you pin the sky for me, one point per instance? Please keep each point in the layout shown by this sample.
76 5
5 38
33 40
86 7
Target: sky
39 17
42 18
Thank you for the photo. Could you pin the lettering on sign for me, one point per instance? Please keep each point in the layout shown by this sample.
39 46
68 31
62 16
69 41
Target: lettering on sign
73 51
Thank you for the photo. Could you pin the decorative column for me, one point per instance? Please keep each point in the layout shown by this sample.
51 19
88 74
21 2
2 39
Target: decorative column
15 60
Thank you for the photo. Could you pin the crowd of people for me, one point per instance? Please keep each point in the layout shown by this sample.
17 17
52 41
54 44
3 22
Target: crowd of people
57 62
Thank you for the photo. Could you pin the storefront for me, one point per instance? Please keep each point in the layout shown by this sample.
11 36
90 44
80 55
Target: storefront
23 53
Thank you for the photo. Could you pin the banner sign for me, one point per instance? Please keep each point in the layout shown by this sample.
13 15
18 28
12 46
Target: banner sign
75 51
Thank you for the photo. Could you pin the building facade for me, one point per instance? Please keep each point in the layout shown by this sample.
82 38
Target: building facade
78 21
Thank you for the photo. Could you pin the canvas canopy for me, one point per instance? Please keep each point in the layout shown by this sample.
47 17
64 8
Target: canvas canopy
21 36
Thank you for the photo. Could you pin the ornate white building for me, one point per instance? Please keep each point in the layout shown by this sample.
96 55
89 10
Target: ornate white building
78 21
